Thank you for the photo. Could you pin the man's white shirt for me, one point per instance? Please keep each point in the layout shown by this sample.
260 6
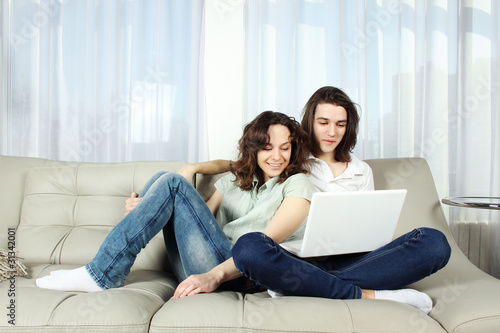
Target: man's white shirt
358 176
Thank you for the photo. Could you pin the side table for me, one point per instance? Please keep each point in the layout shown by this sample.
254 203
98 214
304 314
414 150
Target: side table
472 238
473 202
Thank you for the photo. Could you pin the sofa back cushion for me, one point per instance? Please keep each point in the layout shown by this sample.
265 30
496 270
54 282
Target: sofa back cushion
422 206
69 208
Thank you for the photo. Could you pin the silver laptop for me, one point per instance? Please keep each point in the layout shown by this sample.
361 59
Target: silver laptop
348 222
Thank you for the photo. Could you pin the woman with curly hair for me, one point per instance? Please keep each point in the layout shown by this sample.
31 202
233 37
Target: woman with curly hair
267 191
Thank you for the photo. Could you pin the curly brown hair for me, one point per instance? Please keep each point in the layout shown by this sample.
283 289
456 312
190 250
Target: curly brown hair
256 137
335 96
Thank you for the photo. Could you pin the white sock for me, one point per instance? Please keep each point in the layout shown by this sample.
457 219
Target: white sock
60 271
411 297
69 280
274 294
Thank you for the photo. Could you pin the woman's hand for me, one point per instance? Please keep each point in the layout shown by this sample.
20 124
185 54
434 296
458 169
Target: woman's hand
195 284
132 202
208 282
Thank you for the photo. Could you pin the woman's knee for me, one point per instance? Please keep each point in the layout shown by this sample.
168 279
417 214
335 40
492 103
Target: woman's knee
158 174
170 178
163 183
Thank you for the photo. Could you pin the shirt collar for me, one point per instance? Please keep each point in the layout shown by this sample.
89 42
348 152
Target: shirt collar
354 167
267 185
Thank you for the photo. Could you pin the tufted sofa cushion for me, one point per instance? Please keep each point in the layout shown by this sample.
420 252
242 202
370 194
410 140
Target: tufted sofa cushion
68 210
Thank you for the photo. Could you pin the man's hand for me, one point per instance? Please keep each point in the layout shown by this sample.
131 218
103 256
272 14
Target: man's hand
195 284
132 202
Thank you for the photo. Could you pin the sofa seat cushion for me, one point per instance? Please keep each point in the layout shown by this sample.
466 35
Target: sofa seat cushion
126 309
234 312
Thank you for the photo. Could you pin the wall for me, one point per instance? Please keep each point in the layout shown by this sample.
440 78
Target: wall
223 71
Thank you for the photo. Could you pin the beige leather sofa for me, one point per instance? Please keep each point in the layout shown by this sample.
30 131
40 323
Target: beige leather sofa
60 213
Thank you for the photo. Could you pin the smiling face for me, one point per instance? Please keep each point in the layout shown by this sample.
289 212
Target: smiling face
330 122
275 156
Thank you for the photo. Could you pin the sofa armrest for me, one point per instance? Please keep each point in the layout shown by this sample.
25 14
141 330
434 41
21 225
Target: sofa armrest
13 172
465 298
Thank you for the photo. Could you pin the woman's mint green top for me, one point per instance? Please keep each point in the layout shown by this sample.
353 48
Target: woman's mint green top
246 211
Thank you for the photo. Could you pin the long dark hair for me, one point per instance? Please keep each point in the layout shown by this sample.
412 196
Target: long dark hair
336 97
256 137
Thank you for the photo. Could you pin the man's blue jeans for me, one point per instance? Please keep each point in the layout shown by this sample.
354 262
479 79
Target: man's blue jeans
405 260
194 240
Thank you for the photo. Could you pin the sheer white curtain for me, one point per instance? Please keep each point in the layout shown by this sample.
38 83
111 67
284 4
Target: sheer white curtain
103 81
425 74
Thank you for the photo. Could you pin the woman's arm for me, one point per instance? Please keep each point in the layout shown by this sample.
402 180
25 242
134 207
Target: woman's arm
204 168
289 216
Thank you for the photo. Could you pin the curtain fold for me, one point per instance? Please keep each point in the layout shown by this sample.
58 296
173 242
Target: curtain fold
103 81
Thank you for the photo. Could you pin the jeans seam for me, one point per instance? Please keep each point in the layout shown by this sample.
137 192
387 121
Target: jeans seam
359 293
402 246
357 290
94 277
202 226
273 246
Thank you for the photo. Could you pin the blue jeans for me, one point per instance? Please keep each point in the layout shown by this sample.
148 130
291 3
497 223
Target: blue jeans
403 261
194 240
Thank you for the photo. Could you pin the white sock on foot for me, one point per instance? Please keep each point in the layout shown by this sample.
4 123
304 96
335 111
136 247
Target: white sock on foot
274 294
69 280
411 297
60 271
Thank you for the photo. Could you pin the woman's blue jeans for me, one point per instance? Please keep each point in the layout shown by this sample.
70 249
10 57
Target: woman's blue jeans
405 260
194 240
